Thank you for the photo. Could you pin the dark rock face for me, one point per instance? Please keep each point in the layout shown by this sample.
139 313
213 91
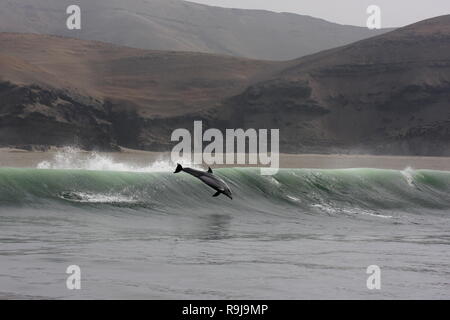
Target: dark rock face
409 119
284 96
32 117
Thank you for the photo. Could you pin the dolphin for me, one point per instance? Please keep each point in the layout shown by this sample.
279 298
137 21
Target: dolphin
209 179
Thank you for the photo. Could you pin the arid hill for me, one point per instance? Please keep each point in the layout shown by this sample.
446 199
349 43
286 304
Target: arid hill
50 77
177 25
389 94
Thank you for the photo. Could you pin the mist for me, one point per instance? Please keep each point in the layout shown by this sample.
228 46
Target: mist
353 12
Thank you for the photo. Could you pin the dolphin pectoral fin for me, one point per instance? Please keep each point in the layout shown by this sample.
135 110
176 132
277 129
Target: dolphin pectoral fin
217 194
179 168
210 170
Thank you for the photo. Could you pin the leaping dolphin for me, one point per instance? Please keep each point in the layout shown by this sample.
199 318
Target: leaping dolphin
209 179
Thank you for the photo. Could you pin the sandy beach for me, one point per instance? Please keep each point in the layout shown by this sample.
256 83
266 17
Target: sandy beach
25 159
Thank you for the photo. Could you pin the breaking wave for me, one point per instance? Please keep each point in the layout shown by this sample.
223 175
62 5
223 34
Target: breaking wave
97 182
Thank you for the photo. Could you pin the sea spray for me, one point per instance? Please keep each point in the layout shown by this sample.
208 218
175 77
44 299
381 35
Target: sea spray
73 158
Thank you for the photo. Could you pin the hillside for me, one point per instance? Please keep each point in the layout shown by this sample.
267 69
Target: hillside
176 25
389 94
50 77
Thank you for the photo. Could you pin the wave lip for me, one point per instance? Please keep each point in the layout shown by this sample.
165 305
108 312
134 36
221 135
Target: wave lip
75 159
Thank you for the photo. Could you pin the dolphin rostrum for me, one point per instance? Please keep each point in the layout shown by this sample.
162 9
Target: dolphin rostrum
208 178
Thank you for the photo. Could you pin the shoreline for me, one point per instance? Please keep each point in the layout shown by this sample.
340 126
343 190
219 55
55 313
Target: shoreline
18 158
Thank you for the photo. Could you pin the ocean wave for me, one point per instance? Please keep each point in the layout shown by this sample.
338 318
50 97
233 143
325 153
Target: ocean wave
344 192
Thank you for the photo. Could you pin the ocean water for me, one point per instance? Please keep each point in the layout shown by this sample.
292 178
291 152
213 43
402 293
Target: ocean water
146 233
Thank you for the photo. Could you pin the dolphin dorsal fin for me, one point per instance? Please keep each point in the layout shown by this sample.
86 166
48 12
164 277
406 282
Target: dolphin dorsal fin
210 170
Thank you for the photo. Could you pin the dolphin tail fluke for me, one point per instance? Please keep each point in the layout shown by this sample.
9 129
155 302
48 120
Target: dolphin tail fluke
179 168
217 194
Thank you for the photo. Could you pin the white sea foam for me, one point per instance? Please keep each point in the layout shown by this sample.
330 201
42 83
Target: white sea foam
295 199
408 174
98 197
351 211
325 208
72 158
366 212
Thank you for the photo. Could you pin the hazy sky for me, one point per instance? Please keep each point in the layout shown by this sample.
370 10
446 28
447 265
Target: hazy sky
395 13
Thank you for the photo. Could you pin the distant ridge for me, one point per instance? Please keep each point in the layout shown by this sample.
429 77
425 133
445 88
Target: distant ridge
183 26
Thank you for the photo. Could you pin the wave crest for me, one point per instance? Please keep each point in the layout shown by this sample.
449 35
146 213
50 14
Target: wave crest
70 158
